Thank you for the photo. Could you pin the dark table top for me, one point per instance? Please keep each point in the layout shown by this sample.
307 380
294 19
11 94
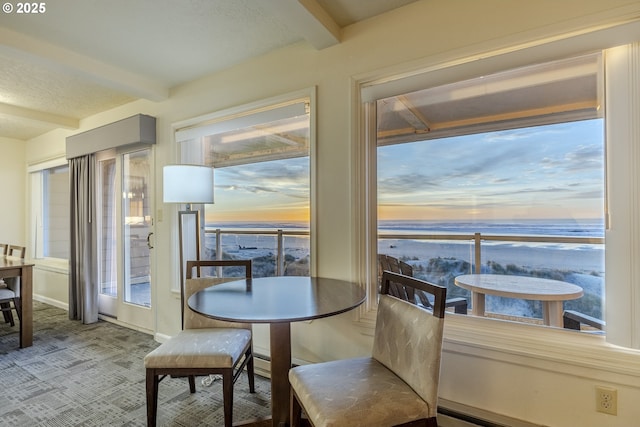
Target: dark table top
277 299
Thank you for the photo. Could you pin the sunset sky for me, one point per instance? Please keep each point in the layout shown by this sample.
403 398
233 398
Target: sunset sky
553 171
268 191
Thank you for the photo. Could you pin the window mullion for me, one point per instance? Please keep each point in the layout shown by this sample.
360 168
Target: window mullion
622 311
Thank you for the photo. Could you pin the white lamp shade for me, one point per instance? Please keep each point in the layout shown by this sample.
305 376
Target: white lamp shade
187 184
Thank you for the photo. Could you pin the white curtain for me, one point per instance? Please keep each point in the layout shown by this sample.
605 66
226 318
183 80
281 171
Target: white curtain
83 289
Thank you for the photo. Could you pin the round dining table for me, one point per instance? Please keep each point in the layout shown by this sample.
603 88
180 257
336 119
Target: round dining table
278 301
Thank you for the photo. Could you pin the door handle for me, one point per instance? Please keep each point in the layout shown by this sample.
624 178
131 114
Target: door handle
149 240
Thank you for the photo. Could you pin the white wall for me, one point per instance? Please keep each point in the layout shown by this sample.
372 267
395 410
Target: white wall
484 367
12 177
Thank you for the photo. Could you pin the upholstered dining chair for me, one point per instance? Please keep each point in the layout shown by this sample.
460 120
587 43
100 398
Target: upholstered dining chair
10 289
204 346
393 264
396 386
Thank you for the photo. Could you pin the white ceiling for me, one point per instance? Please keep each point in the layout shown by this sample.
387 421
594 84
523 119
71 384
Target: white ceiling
81 57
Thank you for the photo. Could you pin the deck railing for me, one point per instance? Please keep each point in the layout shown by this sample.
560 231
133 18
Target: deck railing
278 233
476 238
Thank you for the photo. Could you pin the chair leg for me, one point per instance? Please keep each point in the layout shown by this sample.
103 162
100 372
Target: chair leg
460 309
152 397
250 371
192 384
295 415
18 307
227 397
6 311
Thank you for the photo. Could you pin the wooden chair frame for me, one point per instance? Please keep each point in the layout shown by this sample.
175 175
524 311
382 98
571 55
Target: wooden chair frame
439 292
572 319
12 249
395 265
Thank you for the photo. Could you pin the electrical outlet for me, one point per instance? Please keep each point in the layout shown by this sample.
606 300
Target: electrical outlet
607 400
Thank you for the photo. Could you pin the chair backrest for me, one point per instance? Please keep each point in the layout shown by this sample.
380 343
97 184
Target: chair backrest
389 263
408 338
195 283
4 248
395 265
16 251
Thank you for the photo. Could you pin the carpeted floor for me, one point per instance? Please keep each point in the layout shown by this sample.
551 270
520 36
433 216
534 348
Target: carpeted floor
93 375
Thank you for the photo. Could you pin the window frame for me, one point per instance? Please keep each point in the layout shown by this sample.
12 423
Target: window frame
36 226
531 118
506 340
234 113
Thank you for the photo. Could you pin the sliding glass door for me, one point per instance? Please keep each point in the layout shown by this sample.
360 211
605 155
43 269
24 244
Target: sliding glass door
125 227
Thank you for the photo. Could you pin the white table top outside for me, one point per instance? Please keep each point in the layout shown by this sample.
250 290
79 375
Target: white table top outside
522 287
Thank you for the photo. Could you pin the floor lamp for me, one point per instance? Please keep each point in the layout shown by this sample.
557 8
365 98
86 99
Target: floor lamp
188 184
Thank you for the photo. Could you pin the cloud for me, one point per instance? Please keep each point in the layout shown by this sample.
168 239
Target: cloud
286 178
585 157
246 188
513 135
408 183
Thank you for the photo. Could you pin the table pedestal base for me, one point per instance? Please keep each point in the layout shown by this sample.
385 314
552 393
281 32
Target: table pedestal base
280 338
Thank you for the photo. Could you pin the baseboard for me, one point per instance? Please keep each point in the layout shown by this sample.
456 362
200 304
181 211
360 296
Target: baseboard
49 301
478 417
161 337
115 321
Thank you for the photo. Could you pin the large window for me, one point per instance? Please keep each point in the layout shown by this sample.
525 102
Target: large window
50 209
262 177
500 174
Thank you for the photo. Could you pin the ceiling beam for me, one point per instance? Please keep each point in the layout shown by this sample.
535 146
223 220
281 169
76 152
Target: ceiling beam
412 115
59 59
589 106
39 116
526 117
308 19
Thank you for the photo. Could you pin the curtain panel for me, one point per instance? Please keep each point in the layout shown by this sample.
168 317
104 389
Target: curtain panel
83 272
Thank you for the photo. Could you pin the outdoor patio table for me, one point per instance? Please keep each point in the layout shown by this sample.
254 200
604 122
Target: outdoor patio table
552 293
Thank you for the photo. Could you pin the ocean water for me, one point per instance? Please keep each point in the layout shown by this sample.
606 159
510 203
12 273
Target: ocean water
525 227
